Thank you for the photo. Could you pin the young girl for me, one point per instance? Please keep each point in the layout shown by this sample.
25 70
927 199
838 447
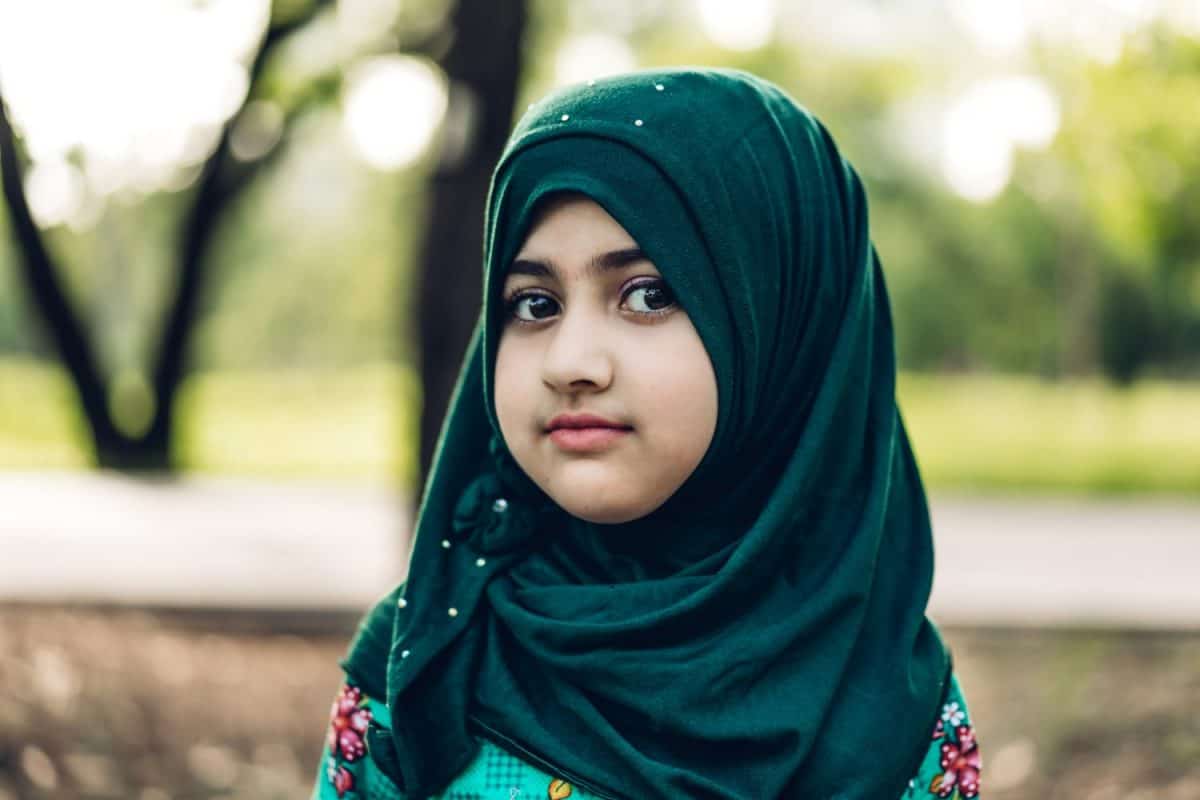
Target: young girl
674 543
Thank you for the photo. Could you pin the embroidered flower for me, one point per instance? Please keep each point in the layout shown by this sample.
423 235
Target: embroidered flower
340 777
349 718
953 714
961 765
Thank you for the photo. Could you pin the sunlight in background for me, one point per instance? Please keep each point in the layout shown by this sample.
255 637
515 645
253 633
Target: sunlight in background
393 107
130 97
364 21
258 129
738 25
55 191
983 127
1095 27
1184 15
131 90
996 26
592 55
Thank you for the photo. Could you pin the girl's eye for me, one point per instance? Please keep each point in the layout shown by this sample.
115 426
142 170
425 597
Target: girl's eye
531 307
650 298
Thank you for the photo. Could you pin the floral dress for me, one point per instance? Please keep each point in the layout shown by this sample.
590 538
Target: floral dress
950 769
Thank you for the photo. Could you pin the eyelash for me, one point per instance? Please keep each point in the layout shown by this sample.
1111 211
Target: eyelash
513 300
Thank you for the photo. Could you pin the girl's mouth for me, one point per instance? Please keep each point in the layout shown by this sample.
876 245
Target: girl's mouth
587 440
585 432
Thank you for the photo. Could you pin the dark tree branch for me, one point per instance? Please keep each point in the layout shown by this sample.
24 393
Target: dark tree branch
221 179
41 277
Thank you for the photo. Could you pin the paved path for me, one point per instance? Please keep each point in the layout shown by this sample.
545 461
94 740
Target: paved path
1064 562
214 543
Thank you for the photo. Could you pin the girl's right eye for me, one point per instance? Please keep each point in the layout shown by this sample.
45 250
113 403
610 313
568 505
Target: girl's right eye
530 307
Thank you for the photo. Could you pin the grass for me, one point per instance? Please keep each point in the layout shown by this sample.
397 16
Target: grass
971 433
989 433
357 423
350 424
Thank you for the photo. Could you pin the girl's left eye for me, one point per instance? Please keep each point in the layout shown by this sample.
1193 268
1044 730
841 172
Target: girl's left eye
650 298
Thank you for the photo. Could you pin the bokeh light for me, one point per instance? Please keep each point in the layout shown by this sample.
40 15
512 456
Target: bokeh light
983 126
592 55
84 89
393 107
738 24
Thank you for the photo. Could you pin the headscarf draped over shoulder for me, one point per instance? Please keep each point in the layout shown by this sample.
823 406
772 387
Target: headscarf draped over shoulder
763 633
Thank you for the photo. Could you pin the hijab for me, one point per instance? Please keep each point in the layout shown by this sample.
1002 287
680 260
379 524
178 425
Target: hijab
763 632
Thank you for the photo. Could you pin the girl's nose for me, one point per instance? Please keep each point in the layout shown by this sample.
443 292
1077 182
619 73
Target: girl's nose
577 357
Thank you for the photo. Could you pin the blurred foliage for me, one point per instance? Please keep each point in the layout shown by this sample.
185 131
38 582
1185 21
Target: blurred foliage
970 432
1089 261
1087 264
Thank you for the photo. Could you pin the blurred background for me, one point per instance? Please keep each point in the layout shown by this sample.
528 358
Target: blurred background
239 261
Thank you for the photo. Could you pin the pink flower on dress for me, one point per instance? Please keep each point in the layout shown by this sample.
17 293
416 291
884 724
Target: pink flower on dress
340 777
348 725
961 764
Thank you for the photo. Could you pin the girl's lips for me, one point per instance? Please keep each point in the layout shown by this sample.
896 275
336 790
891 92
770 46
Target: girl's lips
586 440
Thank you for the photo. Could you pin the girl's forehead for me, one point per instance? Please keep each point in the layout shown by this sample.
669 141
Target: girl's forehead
561 214
576 235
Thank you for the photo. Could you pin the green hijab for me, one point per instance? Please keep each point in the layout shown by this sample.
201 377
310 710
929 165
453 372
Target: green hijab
761 634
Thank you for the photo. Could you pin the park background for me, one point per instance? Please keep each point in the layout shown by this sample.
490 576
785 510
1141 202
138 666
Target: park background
239 249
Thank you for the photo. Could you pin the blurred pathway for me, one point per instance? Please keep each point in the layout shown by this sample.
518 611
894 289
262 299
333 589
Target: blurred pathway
219 543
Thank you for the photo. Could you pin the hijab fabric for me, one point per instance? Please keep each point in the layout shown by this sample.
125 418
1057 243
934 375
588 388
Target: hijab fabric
763 633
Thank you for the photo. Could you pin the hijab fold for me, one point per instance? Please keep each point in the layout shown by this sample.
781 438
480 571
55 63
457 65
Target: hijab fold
761 634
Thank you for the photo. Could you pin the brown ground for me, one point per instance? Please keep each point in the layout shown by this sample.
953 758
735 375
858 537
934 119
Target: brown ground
138 706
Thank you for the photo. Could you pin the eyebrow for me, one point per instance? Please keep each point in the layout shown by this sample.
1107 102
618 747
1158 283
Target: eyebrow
598 264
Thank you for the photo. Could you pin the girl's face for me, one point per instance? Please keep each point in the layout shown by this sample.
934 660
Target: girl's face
591 328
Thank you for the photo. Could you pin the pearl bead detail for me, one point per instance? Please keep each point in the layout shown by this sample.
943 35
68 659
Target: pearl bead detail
658 87
479 562
453 612
565 117
445 544
637 122
402 602
500 506
404 653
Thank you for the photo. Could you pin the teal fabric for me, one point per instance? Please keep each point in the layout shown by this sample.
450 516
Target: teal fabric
764 628
950 768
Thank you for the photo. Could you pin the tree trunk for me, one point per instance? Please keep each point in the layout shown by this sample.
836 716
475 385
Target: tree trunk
65 328
483 66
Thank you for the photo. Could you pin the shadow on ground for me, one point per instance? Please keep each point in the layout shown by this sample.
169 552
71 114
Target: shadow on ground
154 706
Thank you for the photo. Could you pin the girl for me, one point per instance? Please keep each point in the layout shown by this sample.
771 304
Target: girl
674 543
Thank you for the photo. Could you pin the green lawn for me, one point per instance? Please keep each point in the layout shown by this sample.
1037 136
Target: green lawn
351 424
992 433
978 433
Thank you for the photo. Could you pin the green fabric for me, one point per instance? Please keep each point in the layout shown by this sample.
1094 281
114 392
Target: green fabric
762 634
950 768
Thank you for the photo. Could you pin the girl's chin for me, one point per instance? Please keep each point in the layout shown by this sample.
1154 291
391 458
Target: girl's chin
581 503
604 517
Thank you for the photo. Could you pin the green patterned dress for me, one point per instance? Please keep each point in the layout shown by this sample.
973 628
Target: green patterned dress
950 769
